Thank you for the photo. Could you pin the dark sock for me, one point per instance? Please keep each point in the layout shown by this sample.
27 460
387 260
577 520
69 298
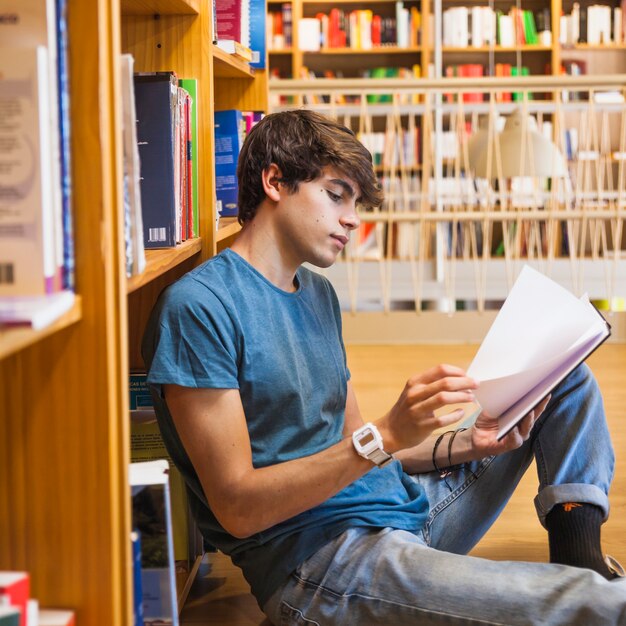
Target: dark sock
574 536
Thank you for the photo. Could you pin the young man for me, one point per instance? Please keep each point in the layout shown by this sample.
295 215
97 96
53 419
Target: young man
253 395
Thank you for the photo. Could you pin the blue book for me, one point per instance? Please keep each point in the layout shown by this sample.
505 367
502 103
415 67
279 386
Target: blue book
257 33
156 97
229 131
65 147
135 539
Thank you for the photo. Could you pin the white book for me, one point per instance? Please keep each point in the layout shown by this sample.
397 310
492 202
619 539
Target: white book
478 28
132 166
541 333
27 242
37 312
36 25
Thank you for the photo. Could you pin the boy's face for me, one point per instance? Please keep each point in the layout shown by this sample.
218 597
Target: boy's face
315 222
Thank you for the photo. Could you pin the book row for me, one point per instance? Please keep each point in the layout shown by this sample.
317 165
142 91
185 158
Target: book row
479 26
360 29
36 234
594 24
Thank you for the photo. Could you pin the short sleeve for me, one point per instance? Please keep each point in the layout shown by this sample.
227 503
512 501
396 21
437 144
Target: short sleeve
191 339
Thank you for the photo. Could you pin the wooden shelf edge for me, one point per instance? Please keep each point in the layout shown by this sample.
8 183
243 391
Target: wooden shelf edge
183 591
228 66
228 226
160 261
375 50
160 7
14 339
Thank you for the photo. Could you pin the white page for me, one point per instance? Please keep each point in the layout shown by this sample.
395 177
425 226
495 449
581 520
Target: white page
539 332
538 319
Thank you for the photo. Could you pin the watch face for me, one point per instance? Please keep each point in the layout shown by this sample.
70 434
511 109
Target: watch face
367 438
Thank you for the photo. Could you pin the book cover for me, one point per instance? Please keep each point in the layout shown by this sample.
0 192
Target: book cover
151 516
156 97
132 167
16 587
541 333
135 541
191 86
35 24
257 38
68 278
228 141
27 234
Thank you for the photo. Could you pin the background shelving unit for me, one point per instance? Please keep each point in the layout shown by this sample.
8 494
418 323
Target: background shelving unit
601 58
64 432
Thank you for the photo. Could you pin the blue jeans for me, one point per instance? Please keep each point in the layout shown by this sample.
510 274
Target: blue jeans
393 577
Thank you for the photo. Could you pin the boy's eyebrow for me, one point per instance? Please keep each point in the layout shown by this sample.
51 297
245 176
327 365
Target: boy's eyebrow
342 183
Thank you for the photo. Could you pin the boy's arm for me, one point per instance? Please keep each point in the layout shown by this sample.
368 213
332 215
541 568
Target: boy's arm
212 427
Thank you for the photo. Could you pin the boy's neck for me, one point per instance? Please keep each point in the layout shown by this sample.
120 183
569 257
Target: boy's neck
258 246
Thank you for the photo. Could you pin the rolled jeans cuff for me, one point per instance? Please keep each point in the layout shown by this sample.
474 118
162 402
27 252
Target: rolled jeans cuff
552 495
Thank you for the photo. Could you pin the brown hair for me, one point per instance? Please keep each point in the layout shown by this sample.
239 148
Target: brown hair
301 143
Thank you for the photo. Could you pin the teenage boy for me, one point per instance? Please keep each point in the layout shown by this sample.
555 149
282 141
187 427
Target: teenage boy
334 521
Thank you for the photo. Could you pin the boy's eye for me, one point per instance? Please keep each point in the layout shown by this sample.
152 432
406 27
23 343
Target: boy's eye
333 196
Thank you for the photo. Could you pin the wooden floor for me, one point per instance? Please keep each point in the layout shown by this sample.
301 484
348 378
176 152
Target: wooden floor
220 595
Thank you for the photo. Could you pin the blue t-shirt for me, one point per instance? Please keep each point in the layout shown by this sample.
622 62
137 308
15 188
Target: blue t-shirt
226 326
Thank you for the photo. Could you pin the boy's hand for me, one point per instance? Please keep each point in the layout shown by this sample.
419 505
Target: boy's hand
413 417
484 432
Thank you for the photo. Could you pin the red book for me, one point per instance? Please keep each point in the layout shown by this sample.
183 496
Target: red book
376 30
15 586
229 22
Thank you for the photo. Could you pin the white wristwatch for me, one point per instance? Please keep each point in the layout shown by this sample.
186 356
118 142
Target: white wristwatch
369 444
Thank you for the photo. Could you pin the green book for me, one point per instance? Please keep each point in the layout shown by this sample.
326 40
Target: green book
191 85
530 30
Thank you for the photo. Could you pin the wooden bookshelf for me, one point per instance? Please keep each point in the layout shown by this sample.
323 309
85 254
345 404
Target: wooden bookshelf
228 227
64 442
158 262
14 339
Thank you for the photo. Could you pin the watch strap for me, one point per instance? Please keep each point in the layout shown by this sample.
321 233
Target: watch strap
380 457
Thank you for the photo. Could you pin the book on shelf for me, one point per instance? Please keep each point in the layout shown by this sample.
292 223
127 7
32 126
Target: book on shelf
257 38
133 218
36 312
235 48
63 87
10 616
15 592
35 24
151 517
190 85
56 617
541 333
156 100
229 135
28 260
135 542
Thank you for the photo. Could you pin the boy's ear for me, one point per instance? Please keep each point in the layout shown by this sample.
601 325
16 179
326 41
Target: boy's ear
271 182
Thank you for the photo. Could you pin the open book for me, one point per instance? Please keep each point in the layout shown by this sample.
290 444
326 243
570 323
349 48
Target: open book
541 333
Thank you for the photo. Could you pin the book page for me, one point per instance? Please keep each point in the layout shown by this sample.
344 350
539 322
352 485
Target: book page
540 329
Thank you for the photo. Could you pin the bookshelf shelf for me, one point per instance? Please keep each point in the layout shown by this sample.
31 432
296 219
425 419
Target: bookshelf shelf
227 66
228 227
158 262
377 50
13 340
483 49
160 7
